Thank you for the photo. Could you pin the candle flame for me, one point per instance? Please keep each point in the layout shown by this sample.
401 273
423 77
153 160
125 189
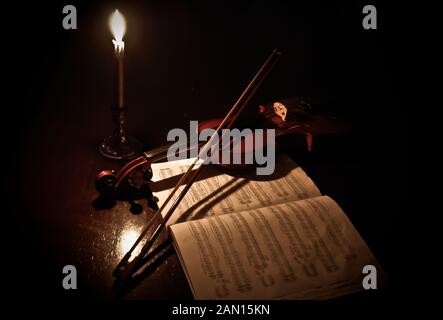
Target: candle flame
117 24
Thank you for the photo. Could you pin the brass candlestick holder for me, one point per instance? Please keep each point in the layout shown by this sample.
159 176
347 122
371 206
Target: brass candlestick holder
120 145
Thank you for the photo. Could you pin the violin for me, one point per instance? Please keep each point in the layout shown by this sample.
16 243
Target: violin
293 116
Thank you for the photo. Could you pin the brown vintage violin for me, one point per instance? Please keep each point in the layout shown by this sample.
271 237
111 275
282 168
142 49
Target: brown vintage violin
294 116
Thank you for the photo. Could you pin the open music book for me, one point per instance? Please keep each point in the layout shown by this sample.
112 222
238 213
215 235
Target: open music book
263 237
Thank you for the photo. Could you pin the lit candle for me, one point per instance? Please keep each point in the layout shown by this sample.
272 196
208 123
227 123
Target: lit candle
117 24
120 144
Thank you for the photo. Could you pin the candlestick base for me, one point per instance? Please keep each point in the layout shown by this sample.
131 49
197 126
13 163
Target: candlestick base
114 148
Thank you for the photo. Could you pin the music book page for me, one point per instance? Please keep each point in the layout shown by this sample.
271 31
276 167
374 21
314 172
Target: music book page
221 193
305 249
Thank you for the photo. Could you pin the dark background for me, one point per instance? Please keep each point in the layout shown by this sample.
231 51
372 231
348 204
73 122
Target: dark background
189 61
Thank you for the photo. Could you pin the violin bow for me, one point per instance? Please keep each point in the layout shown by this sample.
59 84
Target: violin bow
125 267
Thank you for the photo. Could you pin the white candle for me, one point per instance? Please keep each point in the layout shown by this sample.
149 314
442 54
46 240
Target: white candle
117 24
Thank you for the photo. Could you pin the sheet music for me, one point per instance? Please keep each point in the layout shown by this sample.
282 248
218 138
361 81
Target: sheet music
221 193
301 249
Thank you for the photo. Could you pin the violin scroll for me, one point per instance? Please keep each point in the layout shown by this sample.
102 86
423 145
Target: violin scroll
129 183
105 182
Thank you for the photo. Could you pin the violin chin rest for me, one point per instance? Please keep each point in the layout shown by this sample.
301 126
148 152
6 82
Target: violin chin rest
105 182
